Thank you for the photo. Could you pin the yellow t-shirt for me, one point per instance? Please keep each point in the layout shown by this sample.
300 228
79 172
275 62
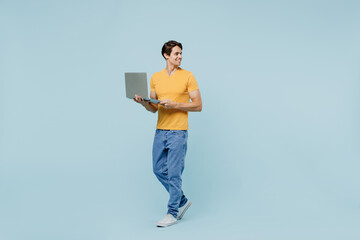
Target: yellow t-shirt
176 88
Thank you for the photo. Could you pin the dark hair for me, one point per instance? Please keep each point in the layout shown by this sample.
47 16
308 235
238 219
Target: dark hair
168 46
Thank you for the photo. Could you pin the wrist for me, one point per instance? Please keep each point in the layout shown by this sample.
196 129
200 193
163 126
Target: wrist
177 105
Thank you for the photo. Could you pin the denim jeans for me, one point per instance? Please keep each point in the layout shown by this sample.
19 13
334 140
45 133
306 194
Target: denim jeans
169 152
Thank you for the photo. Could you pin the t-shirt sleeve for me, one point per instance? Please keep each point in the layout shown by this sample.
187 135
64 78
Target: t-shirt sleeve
152 84
192 83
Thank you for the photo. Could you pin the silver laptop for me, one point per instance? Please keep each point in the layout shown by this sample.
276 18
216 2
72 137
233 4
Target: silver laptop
136 83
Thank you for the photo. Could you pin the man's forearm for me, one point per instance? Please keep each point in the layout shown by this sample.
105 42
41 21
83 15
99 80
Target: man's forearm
189 107
150 107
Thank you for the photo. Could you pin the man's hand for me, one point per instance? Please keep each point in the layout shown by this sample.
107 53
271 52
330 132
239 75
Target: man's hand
140 100
167 103
194 106
146 104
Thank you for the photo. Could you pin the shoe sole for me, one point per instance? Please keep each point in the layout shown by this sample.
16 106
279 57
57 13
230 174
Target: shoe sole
186 208
158 225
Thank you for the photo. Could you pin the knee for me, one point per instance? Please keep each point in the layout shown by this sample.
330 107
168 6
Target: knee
159 172
156 171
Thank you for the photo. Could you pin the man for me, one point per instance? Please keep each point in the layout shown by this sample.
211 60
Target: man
174 87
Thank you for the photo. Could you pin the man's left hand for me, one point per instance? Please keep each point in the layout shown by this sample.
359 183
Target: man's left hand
167 103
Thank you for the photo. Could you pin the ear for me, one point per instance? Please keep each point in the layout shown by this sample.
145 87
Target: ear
166 56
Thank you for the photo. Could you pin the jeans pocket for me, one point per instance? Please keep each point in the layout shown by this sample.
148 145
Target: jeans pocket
179 132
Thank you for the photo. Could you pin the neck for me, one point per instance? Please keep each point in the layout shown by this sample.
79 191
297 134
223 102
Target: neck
171 69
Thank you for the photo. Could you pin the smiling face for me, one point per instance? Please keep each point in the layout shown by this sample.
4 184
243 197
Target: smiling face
175 56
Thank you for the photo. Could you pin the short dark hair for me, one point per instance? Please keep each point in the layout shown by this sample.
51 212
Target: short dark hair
168 46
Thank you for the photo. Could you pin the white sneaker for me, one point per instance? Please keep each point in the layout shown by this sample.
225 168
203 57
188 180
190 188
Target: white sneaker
168 220
183 209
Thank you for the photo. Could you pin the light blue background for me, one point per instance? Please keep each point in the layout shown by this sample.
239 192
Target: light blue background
273 155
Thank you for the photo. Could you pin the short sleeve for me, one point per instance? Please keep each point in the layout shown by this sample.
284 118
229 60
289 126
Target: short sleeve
152 84
192 83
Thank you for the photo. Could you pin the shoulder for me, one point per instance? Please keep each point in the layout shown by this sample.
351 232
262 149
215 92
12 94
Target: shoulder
156 77
158 74
185 73
190 80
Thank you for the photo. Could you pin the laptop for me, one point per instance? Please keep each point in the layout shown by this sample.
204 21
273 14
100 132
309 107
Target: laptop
136 83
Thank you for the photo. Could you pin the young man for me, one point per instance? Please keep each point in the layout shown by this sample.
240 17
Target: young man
174 87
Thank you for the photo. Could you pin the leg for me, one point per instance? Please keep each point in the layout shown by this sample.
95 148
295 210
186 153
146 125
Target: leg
160 154
177 145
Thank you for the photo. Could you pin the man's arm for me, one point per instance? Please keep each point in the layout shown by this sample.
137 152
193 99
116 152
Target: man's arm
194 106
151 107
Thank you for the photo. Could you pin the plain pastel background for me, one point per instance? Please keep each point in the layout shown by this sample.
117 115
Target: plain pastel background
273 155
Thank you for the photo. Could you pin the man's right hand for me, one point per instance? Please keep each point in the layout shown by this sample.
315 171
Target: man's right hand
146 104
140 100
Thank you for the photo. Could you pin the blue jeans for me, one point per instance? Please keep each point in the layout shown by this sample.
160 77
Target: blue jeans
169 152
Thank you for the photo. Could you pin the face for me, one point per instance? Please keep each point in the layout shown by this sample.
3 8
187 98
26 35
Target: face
175 56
